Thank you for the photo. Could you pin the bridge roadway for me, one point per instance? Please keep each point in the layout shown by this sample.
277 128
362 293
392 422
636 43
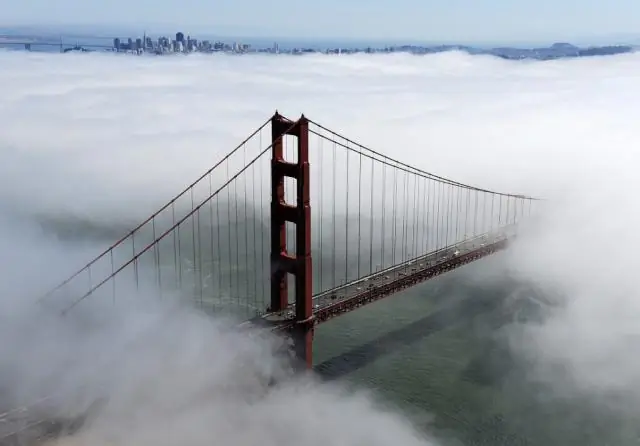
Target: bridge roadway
353 295
27 425
4 42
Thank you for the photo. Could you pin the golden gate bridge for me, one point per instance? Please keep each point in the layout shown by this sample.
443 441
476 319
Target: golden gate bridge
30 43
297 225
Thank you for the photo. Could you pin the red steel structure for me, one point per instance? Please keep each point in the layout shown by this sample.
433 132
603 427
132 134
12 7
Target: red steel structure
216 243
298 264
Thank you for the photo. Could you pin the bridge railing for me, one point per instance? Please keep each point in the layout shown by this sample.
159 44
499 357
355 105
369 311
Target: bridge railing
432 257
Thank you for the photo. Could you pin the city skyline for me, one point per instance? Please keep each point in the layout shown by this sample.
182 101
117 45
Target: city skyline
185 43
403 20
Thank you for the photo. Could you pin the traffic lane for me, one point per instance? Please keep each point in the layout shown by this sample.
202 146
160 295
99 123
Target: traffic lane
402 270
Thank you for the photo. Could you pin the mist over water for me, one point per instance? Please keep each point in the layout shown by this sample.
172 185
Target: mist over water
102 141
161 372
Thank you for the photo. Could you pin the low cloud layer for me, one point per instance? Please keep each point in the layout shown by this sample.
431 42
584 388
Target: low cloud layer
110 138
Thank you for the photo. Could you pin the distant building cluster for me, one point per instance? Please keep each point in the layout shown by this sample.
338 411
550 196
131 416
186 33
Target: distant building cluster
183 45
164 45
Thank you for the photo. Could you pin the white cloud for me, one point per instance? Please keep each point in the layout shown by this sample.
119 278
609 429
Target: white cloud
108 139
112 137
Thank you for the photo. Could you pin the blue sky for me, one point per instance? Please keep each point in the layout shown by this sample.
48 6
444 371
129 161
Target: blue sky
419 20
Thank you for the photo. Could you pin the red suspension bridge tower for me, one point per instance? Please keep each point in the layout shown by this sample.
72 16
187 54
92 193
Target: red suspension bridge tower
283 262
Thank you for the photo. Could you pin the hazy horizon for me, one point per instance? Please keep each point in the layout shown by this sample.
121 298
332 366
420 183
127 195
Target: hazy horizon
203 32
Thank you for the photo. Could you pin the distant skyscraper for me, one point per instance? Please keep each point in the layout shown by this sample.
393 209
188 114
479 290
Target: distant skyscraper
116 44
179 37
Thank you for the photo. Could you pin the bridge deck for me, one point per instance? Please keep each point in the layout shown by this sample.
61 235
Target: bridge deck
353 295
